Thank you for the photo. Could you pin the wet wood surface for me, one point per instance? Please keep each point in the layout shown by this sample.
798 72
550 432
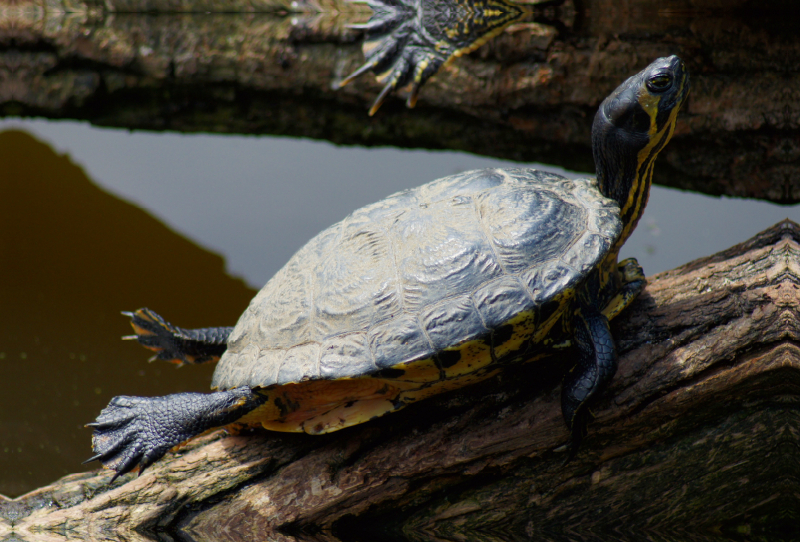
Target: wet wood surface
698 433
528 95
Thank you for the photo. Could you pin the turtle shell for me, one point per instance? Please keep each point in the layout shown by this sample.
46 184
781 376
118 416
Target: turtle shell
421 272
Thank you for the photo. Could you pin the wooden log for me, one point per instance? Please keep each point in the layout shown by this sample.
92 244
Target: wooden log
698 433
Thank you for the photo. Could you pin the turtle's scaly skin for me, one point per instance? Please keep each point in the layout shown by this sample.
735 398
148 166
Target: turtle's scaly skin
408 41
429 290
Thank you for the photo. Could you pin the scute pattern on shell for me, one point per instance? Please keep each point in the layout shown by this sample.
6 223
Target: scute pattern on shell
419 271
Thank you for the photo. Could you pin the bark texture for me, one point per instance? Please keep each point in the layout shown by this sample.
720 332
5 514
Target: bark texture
528 95
698 434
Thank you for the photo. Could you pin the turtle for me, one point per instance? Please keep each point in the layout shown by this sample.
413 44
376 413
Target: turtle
408 41
429 290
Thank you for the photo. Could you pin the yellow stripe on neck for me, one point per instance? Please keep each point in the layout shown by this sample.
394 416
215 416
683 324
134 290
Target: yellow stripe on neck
640 188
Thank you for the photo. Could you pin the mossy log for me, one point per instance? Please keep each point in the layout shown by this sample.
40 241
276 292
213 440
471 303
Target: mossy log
698 433
527 95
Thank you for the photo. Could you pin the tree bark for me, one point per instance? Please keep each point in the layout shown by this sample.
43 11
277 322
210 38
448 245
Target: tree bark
699 429
528 95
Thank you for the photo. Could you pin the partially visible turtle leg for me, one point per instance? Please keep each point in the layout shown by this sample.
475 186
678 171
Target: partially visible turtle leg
633 282
137 431
597 363
174 344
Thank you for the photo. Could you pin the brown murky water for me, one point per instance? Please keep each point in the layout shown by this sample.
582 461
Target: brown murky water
73 257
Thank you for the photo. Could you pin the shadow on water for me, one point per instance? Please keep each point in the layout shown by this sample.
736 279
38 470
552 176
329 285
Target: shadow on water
73 257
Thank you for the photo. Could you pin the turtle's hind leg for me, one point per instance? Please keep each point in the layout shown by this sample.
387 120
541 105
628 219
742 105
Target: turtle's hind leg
137 431
174 344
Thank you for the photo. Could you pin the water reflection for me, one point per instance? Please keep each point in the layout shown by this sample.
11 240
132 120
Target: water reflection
406 43
73 257
526 95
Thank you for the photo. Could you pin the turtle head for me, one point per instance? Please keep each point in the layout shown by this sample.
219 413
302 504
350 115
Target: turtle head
631 127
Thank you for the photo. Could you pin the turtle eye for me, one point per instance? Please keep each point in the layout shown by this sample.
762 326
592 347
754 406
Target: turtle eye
659 82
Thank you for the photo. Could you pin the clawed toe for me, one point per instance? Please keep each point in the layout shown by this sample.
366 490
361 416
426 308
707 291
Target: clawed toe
121 439
156 334
135 432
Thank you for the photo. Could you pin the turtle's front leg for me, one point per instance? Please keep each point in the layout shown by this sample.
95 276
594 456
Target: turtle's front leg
137 431
633 282
597 363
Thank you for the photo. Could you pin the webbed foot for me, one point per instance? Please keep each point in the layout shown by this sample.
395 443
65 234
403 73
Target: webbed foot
135 432
128 434
175 344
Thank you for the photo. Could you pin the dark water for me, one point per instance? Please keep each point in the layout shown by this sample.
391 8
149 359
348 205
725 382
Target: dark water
78 255
98 220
